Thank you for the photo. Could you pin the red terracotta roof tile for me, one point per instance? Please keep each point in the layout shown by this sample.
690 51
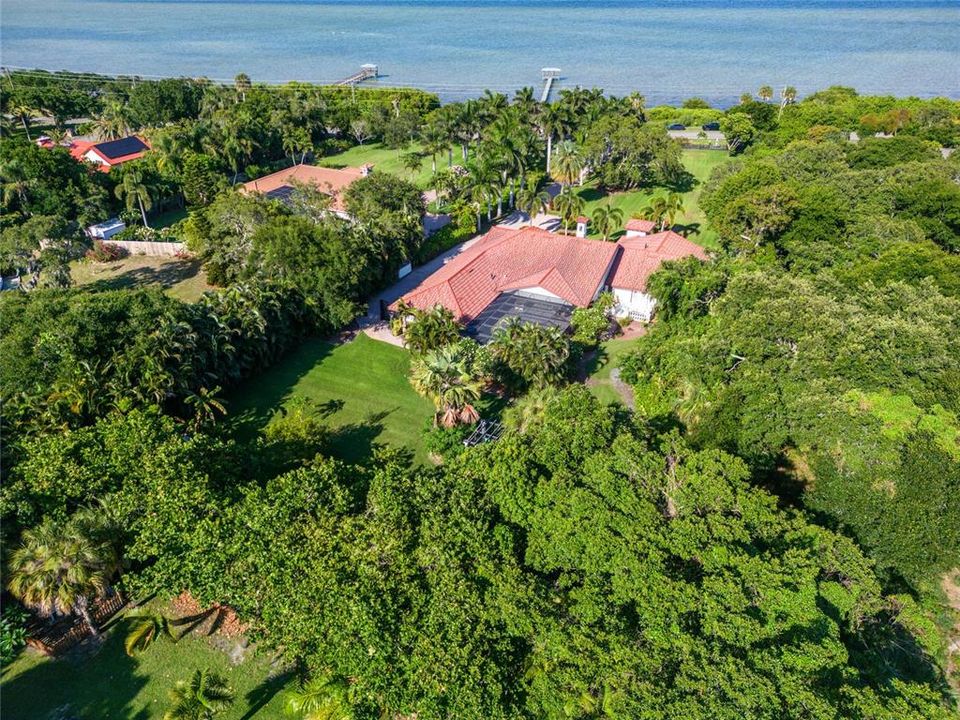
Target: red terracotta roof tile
641 256
637 225
504 259
332 181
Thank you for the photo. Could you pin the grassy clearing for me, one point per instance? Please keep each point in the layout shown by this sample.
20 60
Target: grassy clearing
386 160
365 379
106 683
167 218
182 279
599 368
700 163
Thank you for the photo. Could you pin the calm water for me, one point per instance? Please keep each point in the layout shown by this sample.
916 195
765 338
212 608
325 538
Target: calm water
667 49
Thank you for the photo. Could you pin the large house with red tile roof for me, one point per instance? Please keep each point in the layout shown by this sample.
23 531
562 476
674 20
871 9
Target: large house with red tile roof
109 154
332 181
542 276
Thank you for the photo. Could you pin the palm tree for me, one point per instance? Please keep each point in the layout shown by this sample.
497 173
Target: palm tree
664 209
206 406
24 113
532 201
200 698
606 219
442 376
323 697
788 96
15 181
568 162
242 85
135 191
553 120
411 162
59 570
146 628
569 204
765 93
113 123
536 354
425 330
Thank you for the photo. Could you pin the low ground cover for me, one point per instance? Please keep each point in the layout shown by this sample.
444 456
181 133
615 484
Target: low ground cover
92 682
600 367
364 383
182 279
388 160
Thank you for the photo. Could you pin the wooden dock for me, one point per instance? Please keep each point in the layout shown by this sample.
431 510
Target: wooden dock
550 76
366 72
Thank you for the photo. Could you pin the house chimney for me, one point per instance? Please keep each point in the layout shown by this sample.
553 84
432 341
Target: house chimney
582 223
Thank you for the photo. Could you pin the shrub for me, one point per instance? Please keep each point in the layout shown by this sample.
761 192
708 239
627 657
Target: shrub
13 633
443 442
105 252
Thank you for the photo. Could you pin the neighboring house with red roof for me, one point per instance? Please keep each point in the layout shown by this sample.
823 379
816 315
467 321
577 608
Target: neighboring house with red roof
542 276
638 258
332 181
109 154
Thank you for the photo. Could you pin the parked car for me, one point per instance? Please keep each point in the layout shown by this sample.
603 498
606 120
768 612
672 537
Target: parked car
711 126
676 126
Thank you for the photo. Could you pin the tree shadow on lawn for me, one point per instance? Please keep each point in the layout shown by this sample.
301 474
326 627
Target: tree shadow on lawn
85 682
170 274
265 691
259 398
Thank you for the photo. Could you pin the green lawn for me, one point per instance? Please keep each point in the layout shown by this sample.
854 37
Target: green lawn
182 279
366 379
167 218
598 370
386 160
109 684
700 163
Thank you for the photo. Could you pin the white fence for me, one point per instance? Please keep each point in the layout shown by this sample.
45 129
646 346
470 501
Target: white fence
161 249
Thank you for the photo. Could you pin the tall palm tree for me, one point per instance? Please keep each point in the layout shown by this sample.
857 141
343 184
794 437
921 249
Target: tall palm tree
568 163
553 120
15 182
569 204
242 84
442 376
664 209
135 191
59 570
113 123
24 113
532 201
788 96
765 93
606 219
200 698
323 697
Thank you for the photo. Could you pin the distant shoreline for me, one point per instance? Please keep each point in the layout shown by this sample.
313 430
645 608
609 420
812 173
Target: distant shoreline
721 102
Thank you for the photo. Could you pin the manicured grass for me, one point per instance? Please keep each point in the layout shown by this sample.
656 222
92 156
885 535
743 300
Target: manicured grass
182 279
599 369
365 379
106 683
700 163
167 218
387 160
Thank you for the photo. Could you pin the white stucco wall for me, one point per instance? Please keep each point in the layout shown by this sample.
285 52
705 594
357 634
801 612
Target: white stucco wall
633 303
537 290
91 156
